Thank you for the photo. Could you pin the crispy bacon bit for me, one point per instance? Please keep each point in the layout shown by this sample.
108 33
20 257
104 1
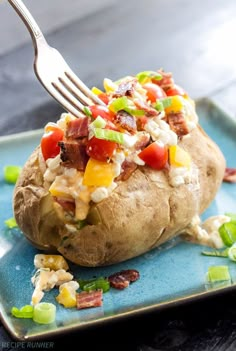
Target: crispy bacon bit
148 110
68 206
178 123
122 279
127 169
230 175
167 80
125 121
73 154
87 299
143 140
125 88
77 128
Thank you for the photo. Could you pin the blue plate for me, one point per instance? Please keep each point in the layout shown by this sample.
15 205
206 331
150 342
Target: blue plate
173 273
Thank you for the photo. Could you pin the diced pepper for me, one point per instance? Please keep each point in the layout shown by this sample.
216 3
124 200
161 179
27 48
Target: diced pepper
98 173
96 90
109 86
67 297
177 104
178 157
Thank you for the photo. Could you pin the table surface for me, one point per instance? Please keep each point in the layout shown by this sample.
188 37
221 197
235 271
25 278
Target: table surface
110 38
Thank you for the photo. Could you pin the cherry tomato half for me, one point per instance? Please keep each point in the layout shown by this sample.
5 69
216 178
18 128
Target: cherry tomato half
176 90
49 142
154 92
155 155
99 149
102 111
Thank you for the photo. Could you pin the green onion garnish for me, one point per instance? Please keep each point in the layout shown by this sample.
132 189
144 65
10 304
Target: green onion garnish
11 173
227 232
94 284
44 313
218 274
232 253
10 223
24 312
99 122
108 134
216 253
119 104
143 76
87 111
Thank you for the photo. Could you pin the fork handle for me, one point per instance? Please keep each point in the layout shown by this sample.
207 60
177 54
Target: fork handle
34 30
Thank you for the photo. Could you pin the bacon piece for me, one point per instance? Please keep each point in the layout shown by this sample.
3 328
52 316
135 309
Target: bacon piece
88 299
68 206
143 140
77 128
230 175
127 169
121 280
125 121
167 80
148 110
73 154
125 88
178 123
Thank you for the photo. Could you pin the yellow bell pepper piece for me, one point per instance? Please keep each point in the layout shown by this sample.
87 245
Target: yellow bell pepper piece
177 104
98 173
109 85
96 91
178 157
67 297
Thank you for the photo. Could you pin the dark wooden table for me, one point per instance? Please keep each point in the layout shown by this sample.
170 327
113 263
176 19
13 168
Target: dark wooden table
194 40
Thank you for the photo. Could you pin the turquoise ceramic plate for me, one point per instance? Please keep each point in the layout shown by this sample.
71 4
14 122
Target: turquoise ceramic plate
173 273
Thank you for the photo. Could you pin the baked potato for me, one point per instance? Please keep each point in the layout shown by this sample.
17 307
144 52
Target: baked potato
122 179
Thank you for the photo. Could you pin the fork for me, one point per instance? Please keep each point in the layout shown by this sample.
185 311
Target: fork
52 70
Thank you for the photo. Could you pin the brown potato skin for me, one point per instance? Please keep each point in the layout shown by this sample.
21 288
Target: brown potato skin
141 213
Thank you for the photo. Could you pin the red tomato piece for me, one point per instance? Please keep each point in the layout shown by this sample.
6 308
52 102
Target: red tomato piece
154 92
100 150
102 111
104 98
155 155
49 142
176 90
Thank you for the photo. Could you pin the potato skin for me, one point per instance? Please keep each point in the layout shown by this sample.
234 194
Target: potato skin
141 213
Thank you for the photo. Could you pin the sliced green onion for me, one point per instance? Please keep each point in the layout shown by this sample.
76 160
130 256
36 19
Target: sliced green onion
11 173
159 106
99 122
216 253
100 283
163 103
232 253
10 223
95 284
24 312
119 104
135 112
227 232
217 274
144 75
44 313
87 111
108 134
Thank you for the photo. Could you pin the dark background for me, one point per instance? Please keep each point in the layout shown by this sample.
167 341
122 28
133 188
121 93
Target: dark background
108 38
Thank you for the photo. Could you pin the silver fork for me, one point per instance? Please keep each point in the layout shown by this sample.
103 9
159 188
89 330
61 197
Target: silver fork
52 70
